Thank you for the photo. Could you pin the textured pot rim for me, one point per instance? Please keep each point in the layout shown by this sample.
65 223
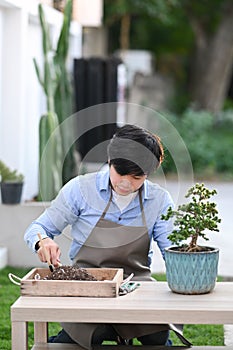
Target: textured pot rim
172 249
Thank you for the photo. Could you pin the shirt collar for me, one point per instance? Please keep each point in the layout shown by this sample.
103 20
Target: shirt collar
103 180
145 191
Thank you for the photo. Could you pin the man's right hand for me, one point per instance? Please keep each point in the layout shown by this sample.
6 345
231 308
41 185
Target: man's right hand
52 249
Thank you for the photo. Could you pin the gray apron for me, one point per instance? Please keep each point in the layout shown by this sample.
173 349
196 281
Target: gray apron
114 245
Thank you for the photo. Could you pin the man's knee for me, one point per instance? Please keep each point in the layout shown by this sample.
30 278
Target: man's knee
102 333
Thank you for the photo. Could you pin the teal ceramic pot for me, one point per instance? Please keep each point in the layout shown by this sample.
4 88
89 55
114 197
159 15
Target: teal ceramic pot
191 273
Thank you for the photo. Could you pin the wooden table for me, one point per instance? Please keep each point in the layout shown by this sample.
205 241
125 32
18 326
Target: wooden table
150 303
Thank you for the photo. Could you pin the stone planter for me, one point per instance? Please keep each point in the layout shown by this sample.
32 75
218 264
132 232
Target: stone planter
191 273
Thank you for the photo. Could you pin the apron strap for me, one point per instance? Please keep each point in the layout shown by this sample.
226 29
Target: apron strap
107 206
141 206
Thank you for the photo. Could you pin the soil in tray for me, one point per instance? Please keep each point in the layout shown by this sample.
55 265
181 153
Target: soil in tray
70 273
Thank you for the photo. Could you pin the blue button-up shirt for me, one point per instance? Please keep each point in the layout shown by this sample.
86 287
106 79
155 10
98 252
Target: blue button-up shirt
81 202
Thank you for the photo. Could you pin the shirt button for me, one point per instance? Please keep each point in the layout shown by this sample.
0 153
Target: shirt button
119 219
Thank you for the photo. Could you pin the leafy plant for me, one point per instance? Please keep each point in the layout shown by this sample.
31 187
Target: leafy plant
209 141
6 174
194 218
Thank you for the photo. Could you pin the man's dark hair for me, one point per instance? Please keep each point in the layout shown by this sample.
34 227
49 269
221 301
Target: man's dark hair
135 151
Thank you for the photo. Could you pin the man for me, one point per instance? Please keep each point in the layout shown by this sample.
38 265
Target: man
114 216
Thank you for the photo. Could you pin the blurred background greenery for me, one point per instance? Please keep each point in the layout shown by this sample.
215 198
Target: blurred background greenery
192 43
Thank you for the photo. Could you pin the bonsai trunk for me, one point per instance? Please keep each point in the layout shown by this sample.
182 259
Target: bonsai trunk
193 244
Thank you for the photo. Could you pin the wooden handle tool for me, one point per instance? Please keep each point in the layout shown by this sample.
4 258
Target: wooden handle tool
51 267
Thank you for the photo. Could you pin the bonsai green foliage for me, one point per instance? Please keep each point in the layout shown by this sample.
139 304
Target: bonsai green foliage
6 174
54 141
194 218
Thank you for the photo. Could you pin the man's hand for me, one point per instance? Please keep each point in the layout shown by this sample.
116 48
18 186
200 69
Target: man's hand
53 250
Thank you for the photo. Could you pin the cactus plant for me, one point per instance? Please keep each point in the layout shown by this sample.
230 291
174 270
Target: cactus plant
50 169
54 80
64 95
49 137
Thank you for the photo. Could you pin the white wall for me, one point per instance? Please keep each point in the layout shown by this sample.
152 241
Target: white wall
1 30
12 234
21 98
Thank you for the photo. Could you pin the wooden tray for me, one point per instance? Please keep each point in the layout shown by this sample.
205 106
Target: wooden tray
109 280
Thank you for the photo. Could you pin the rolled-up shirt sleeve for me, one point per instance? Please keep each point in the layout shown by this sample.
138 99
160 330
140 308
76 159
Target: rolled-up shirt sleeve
163 228
61 213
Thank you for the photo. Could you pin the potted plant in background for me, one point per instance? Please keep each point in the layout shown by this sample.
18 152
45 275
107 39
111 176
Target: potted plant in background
192 268
11 184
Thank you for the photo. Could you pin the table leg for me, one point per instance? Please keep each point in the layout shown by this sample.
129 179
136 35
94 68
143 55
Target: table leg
19 336
40 332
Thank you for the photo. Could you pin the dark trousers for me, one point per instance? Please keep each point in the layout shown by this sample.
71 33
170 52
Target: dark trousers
108 333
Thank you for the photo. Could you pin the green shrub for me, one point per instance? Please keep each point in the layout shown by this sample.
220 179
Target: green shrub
208 139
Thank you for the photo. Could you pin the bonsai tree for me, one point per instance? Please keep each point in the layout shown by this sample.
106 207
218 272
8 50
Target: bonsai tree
8 175
192 220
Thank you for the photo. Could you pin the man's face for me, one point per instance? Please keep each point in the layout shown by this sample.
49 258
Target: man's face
125 184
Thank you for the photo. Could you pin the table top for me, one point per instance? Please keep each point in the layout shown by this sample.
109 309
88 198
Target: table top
150 303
